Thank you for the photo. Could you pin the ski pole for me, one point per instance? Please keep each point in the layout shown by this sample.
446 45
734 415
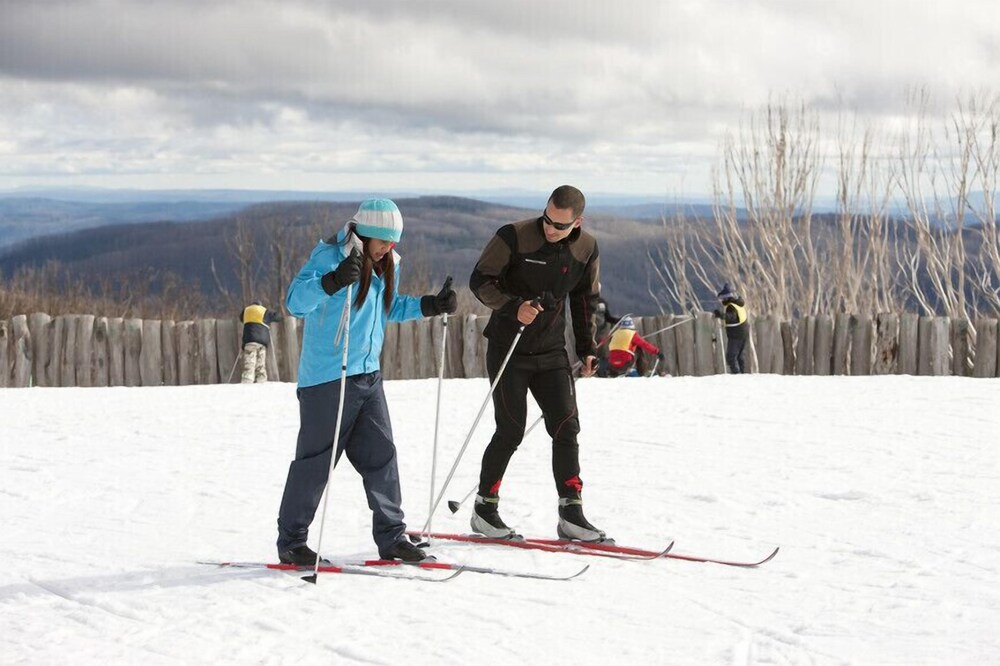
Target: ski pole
455 506
667 328
437 414
233 371
345 328
472 430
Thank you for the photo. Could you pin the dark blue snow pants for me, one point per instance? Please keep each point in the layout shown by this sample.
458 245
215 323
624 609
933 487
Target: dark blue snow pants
366 438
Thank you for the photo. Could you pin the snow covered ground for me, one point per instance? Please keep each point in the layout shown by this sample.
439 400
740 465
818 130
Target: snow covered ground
882 493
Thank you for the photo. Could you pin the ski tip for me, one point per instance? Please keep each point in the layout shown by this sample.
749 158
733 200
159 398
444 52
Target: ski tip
769 557
453 506
310 578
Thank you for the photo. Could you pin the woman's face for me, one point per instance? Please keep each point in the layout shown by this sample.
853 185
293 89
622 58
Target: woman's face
377 248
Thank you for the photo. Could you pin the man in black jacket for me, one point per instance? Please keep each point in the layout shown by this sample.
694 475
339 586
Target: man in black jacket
525 274
256 339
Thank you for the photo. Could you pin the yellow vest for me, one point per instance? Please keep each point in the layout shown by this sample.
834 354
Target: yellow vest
621 340
254 314
741 313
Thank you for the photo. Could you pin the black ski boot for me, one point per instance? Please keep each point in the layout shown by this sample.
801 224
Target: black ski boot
574 525
405 551
300 556
486 519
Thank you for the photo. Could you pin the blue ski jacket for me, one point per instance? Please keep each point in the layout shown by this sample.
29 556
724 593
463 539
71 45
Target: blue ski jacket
321 352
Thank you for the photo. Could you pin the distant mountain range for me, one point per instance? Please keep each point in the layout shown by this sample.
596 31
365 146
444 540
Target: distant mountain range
29 213
443 236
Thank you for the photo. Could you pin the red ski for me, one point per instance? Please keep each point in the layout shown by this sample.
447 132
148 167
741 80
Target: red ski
601 549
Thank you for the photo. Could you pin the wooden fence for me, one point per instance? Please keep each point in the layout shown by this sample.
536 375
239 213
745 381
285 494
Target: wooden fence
84 350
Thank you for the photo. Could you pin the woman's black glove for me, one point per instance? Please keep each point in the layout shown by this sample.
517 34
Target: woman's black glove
444 302
346 273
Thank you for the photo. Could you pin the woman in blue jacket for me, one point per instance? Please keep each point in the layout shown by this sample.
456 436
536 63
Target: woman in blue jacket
361 255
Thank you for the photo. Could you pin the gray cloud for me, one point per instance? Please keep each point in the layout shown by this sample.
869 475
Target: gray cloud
391 86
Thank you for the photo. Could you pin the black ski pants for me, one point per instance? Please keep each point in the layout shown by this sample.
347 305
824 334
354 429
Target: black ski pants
366 438
550 381
734 354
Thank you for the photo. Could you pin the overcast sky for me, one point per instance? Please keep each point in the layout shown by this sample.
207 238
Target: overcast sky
453 95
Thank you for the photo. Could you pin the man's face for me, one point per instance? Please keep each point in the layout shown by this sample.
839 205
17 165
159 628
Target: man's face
559 216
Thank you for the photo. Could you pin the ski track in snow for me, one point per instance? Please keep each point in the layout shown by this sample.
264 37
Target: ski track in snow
881 492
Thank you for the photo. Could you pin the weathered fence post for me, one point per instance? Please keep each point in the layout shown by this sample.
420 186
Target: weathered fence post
886 344
116 351
21 352
985 364
6 364
807 339
390 351
771 332
40 326
823 346
685 348
151 353
709 341
187 353
455 348
277 351
939 346
861 346
841 343
481 346
909 325
168 342
290 344
84 357
470 346
923 345
763 344
273 358
100 371
226 332
426 358
405 350
789 329
133 351
63 350
207 369
960 347
667 342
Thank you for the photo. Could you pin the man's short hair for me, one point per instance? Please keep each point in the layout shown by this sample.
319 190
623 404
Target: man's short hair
567 196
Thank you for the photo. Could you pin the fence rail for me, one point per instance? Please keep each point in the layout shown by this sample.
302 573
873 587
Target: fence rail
84 350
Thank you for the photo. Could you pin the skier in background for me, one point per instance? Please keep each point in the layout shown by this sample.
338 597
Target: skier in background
734 315
622 346
256 340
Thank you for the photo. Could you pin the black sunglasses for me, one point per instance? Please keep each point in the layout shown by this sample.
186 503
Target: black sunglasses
557 225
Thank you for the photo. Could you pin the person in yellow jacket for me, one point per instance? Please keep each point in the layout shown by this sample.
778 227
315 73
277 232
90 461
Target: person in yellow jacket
734 315
622 346
256 339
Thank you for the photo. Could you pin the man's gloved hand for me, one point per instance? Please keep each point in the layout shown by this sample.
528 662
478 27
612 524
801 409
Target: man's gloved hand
346 273
717 313
444 302
661 357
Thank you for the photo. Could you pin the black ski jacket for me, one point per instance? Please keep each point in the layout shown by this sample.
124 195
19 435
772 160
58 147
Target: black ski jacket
518 265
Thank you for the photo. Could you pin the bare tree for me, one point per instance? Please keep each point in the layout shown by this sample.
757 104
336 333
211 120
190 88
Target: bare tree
764 193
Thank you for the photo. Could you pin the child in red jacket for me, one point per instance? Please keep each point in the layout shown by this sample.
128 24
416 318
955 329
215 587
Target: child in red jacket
621 348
